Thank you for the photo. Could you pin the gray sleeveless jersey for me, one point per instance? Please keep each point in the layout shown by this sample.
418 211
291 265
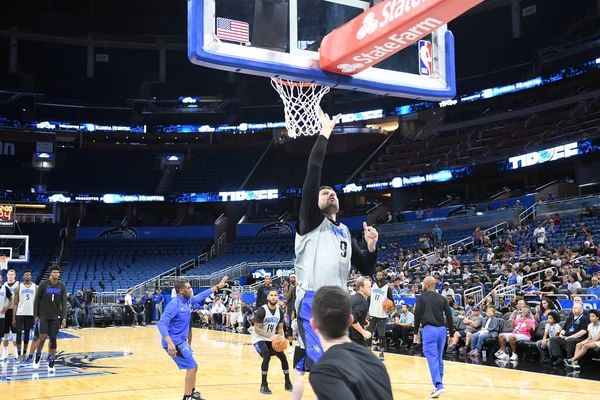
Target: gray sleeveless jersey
322 258
26 300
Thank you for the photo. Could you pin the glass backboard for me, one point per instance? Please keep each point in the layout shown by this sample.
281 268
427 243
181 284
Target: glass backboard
282 38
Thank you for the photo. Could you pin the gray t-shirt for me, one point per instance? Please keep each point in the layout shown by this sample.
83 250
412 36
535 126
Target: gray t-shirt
478 320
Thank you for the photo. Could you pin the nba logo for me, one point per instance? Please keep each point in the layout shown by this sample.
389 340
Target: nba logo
425 58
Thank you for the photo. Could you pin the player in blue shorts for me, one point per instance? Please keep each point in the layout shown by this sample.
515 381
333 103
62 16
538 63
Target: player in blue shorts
174 327
325 252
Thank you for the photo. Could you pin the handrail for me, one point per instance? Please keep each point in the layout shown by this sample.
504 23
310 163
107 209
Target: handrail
476 292
496 229
531 211
546 185
592 296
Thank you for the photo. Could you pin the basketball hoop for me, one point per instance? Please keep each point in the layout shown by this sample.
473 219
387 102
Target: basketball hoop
3 263
300 102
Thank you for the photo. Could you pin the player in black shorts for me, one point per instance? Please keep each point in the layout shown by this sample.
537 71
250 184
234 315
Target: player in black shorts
346 370
50 309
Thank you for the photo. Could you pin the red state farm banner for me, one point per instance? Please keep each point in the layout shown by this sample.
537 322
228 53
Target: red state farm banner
384 30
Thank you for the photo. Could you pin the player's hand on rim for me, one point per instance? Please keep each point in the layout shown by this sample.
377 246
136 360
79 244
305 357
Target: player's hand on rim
327 124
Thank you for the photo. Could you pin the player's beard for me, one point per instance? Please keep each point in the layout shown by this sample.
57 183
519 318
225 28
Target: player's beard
330 209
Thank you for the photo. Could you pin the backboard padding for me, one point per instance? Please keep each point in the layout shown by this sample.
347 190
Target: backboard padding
300 60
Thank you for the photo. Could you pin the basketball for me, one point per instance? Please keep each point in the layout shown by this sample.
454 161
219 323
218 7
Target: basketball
279 343
388 305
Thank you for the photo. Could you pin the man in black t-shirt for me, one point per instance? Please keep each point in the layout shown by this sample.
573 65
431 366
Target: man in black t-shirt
431 310
360 310
50 309
262 292
346 370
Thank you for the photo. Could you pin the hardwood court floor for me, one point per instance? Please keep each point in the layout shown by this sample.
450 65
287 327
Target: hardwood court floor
136 367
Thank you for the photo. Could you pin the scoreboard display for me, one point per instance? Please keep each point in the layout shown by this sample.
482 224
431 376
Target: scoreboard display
7 215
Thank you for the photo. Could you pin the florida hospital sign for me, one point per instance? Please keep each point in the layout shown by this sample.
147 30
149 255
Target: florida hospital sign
542 156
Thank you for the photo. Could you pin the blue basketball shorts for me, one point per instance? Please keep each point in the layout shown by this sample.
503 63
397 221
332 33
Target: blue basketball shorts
310 350
184 358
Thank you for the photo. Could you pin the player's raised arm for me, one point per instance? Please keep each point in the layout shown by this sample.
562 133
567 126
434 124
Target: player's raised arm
310 213
200 297
365 262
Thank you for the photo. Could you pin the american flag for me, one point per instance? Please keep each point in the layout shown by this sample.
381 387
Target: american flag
235 31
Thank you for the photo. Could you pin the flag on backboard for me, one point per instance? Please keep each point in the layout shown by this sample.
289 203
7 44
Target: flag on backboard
232 30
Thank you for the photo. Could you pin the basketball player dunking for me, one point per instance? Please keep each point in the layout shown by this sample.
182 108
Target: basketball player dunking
23 317
268 322
10 284
379 292
324 252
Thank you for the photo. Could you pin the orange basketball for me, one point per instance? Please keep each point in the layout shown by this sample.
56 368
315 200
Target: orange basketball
388 306
279 343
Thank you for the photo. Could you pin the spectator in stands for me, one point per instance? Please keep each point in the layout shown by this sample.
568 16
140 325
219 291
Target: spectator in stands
402 325
551 330
523 327
478 236
472 324
543 310
216 313
470 303
419 214
573 332
540 235
488 330
504 206
405 291
466 274
514 279
389 219
416 290
429 214
594 289
447 291
518 204
263 291
530 292
592 341
548 288
594 268
489 256
424 241
551 197
571 233
436 233
502 279
584 230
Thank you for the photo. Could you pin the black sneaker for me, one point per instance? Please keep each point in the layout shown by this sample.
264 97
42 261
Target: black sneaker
288 386
381 357
264 389
51 363
196 396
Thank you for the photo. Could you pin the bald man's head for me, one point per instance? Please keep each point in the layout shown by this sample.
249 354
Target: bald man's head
429 283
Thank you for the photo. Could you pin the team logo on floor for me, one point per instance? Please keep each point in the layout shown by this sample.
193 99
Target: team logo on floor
68 365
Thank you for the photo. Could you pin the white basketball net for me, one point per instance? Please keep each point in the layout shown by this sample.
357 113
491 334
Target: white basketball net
3 263
300 101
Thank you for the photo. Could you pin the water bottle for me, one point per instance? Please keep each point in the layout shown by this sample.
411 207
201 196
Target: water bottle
484 356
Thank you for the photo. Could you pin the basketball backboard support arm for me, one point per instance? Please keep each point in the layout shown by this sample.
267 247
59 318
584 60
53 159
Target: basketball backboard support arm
206 49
